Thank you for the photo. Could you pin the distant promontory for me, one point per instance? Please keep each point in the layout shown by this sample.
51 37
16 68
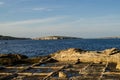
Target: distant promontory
12 38
55 38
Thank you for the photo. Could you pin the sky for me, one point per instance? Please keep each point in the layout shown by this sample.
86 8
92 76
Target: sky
78 18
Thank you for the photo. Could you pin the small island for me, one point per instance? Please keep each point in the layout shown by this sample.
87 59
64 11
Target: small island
55 38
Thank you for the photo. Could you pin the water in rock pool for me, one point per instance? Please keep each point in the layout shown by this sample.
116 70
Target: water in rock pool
33 48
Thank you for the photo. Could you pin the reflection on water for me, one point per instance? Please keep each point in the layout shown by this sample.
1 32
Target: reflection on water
36 48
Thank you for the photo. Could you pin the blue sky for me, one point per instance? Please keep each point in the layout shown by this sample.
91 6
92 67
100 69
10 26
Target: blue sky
79 18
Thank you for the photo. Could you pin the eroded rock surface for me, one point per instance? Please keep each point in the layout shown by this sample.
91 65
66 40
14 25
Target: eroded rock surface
73 54
76 55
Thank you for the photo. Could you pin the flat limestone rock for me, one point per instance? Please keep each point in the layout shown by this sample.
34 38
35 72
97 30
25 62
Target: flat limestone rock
73 54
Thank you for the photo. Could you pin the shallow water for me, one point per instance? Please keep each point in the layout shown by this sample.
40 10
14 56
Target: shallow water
33 48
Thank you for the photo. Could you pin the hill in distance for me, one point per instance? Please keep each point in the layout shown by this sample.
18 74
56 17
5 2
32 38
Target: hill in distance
11 38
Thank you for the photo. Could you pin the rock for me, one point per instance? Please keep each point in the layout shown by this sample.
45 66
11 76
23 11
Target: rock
75 78
2 67
73 54
7 59
39 59
111 51
67 51
17 56
69 55
77 62
118 66
62 75
36 59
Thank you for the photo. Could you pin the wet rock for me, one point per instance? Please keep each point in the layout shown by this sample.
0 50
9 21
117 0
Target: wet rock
17 56
7 59
2 67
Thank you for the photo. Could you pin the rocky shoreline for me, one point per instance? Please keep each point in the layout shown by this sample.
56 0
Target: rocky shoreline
68 64
106 56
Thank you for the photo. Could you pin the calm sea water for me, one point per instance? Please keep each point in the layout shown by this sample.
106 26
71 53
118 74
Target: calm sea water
34 48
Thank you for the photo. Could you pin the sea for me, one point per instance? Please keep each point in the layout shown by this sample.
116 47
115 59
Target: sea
34 48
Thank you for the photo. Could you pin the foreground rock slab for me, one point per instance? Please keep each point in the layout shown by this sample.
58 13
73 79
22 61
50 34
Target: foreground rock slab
73 54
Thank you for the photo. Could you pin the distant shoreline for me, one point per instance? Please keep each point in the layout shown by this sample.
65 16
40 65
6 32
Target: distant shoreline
55 38
51 38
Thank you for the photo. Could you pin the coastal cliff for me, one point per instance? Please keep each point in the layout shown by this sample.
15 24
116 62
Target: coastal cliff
55 38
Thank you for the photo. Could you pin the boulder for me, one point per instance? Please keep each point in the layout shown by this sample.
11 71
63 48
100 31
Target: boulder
62 75
7 59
